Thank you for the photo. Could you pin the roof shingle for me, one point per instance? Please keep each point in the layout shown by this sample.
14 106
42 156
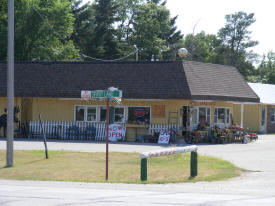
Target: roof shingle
137 80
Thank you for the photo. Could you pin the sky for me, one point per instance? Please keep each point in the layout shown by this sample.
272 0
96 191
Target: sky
208 16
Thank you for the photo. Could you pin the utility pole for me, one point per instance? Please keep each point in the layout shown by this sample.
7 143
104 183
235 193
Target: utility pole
136 52
10 84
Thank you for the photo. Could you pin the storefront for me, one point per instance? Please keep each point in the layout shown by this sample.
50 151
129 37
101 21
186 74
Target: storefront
188 95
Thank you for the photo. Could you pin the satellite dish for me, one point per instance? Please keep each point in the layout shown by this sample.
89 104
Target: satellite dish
182 52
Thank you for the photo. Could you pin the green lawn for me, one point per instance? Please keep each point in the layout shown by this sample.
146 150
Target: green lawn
123 167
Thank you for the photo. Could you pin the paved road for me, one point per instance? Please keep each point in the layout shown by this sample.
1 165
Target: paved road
255 188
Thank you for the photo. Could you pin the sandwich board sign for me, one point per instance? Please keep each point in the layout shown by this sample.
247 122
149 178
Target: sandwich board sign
164 137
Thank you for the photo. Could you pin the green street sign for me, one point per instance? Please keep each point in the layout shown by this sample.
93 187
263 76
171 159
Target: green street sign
96 94
105 93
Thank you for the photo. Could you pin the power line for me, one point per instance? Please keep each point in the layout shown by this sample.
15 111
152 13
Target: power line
84 55
110 60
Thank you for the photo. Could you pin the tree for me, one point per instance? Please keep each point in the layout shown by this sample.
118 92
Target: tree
236 39
104 43
203 47
42 30
154 31
84 25
265 72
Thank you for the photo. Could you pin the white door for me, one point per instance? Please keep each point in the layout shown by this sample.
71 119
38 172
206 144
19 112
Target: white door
263 120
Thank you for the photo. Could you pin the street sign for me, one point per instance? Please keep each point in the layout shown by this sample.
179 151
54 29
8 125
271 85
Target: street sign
96 94
105 93
111 93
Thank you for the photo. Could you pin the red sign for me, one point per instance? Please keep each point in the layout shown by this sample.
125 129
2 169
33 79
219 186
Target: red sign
139 112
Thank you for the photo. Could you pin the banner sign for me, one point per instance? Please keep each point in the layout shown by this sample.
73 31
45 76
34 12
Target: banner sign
165 152
164 137
116 132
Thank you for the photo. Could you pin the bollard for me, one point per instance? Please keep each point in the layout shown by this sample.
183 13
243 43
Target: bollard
143 169
194 164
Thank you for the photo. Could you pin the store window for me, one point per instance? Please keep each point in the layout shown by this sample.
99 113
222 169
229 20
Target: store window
204 116
194 116
103 113
222 115
91 114
200 115
79 113
139 115
85 113
272 114
118 114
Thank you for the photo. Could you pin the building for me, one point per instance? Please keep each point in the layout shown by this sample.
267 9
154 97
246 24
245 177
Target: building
261 117
182 93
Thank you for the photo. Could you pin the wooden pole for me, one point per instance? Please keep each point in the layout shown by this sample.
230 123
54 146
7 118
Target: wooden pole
107 138
44 137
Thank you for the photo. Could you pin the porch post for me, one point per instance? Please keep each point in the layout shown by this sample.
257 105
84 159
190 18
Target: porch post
242 111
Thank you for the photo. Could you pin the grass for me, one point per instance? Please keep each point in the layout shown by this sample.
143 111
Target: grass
123 167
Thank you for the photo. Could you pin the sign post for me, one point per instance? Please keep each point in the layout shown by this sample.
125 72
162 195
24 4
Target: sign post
108 95
107 138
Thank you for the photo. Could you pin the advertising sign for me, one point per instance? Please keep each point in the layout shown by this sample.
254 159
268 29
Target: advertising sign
164 137
116 132
86 95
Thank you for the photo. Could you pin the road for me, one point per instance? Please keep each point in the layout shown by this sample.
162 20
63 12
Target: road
254 188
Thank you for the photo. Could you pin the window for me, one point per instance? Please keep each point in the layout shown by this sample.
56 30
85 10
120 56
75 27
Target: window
200 115
139 115
204 115
103 113
118 114
91 113
272 114
79 113
85 113
194 116
222 115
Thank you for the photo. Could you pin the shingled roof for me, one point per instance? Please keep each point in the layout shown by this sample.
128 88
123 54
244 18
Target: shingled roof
137 80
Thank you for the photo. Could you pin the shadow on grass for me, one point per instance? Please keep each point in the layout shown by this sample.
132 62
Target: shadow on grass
191 178
26 163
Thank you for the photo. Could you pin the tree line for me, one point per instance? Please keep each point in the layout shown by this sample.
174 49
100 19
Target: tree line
70 30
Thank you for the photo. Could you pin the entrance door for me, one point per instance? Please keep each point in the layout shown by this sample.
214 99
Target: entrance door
185 118
263 120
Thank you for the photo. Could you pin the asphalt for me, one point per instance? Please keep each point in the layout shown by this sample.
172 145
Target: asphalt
253 188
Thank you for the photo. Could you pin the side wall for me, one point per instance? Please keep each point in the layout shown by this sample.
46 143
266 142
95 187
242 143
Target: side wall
252 117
